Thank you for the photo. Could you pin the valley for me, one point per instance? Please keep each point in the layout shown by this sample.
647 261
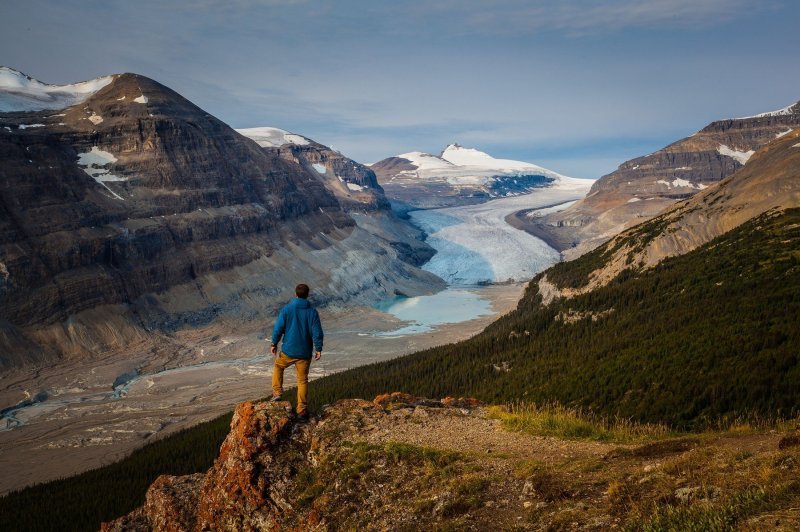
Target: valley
80 420
65 418
138 289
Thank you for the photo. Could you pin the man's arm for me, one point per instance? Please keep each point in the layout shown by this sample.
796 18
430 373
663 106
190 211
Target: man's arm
316 334
277 331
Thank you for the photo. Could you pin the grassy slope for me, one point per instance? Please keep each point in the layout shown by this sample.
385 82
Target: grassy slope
709 334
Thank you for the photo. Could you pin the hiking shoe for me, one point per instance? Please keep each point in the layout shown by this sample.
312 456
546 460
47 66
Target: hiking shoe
304 417
274 398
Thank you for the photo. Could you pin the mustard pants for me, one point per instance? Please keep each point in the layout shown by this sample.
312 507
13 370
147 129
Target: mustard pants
301 364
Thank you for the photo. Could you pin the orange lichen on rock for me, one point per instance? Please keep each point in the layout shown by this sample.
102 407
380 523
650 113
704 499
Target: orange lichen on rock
395 397
236 486
461 402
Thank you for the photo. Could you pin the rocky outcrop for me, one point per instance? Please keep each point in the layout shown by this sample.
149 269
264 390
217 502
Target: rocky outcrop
136 201
643 187
259 480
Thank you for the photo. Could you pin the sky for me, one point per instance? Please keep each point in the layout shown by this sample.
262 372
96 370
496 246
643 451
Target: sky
578 86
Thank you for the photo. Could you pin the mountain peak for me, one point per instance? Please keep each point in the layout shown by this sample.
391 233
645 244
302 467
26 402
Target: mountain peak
20 92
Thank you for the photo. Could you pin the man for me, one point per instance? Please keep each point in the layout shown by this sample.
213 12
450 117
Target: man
299 326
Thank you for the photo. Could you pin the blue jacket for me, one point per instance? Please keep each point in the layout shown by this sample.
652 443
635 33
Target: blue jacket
299 326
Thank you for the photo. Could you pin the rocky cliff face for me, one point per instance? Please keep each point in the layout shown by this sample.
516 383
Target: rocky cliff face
134 192
353 184
645 186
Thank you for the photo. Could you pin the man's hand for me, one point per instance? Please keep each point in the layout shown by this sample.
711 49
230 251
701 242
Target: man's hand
274 350
317 355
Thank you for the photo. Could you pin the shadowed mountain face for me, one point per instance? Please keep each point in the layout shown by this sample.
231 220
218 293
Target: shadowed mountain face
354 185
135 191
642 187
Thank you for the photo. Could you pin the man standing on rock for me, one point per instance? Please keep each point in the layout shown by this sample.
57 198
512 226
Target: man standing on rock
299 326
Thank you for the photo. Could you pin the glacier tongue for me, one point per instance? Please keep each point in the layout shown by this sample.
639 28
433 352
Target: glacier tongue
475 245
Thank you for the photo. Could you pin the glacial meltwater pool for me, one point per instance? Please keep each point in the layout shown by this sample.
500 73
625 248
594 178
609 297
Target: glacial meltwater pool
453 305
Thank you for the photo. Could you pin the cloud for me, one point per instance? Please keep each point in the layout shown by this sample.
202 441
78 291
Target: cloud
580 17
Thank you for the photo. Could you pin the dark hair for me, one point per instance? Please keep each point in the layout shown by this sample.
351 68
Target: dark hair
302 291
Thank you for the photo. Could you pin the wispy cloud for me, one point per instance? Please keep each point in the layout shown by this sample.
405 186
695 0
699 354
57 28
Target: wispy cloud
579 17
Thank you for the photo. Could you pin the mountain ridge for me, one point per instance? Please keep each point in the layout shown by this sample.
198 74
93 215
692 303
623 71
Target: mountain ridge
770 182
644 186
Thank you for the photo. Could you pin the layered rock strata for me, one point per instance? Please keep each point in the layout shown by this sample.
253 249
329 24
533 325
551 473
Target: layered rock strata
769 183
643 187
137 201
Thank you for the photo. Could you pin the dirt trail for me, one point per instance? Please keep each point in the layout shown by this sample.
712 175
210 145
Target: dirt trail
474 432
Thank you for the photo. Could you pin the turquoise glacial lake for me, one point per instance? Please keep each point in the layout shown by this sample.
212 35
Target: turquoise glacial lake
423 313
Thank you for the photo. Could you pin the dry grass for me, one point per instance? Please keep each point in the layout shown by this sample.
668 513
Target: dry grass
575 424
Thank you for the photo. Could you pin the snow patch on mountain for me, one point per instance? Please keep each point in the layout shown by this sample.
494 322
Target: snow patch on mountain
94 163
681 183
471 157
741 156
141 99
320 168
19 92
273 137
788 110
458 165
425 161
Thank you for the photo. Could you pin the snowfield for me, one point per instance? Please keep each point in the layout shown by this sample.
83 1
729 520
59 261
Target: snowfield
272 137
458 165
475 245
19 92
94 162
741 156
